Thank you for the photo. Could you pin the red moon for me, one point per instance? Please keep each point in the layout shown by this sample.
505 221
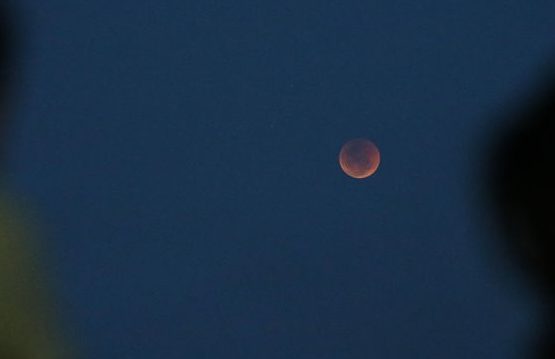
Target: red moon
359 158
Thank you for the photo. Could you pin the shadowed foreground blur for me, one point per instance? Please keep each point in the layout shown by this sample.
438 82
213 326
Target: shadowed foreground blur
523 185
26 328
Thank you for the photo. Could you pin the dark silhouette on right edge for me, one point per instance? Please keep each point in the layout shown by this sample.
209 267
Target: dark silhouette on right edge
522 182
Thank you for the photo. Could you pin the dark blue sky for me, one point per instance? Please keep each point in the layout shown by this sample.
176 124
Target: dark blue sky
183 157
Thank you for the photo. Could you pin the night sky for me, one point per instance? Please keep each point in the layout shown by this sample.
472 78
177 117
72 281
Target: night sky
182 157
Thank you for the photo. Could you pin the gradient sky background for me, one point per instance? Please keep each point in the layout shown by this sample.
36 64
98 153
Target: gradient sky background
183 158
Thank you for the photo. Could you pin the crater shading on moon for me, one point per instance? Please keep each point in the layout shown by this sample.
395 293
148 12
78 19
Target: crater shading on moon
359 158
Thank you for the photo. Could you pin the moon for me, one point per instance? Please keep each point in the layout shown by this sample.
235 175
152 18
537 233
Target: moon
359 158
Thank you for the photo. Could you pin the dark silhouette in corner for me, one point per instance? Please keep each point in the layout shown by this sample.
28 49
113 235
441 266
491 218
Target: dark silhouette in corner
523 186
6 45
26 320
